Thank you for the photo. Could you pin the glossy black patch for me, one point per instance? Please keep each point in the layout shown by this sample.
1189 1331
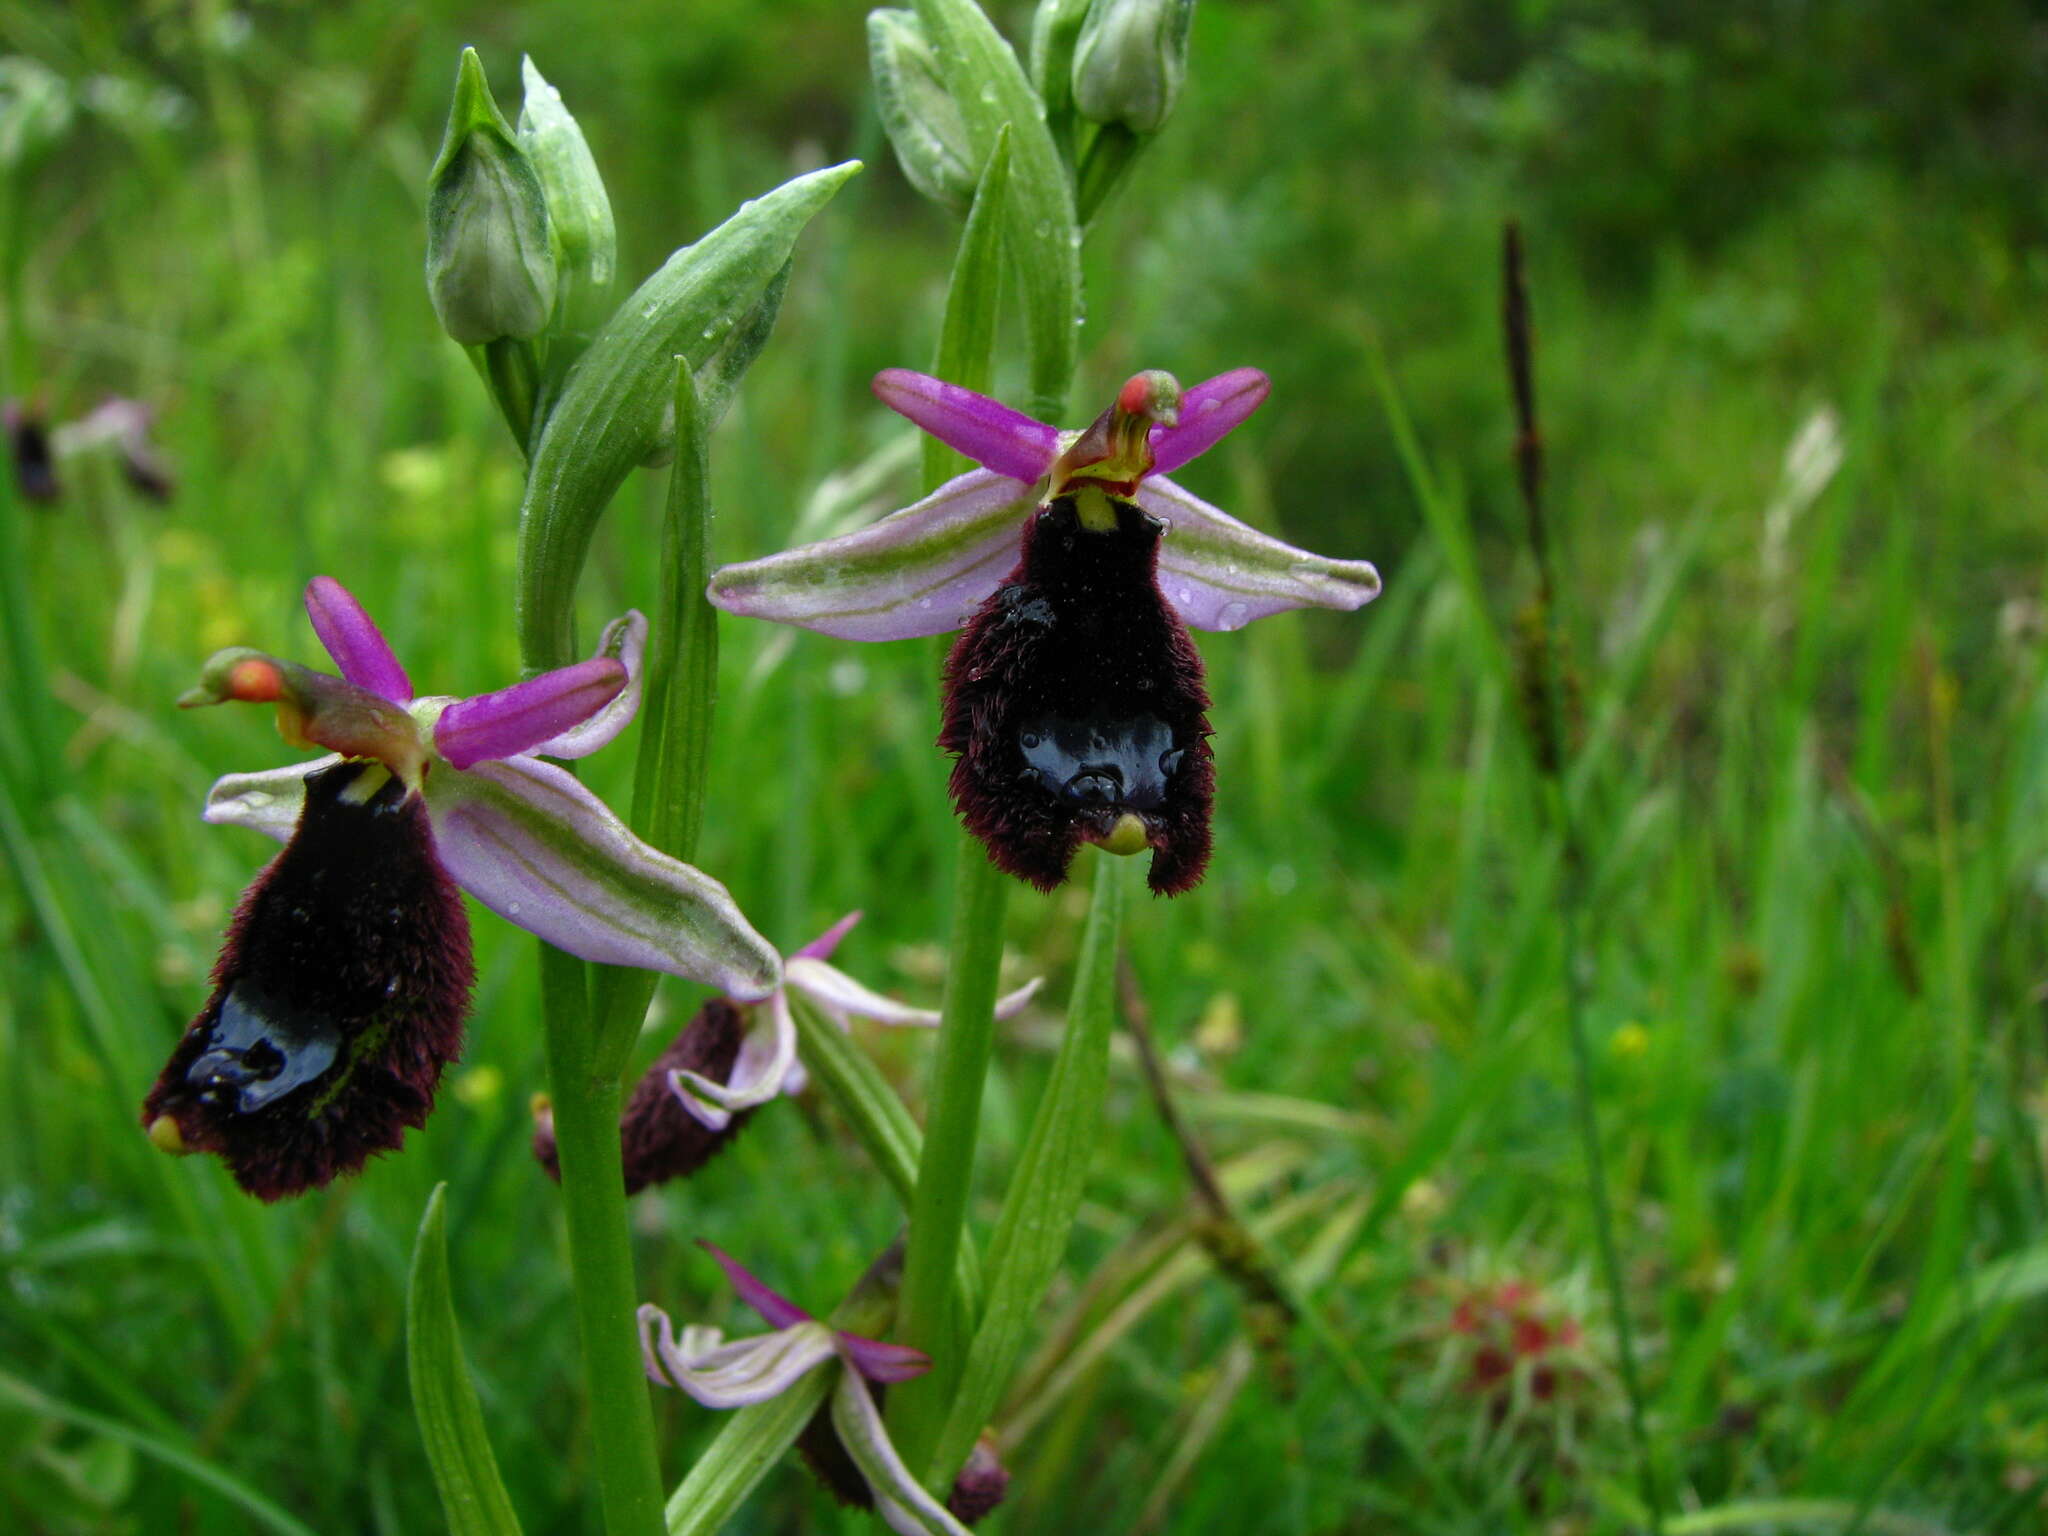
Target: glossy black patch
660 1140
1074 697
338 997
28 442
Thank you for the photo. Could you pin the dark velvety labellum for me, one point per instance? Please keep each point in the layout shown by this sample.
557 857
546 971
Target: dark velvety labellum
1074 700
660 1140
35 466
338 998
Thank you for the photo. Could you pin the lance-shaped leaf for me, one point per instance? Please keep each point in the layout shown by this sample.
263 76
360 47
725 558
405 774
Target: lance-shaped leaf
608 416
1045 1192
984 77
444 1399
918 113
745 1450
967 335
578 206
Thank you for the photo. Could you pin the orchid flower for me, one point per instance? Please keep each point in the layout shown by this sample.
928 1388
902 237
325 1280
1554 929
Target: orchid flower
733 1057
734 1374
1074 698
767 1063
345 975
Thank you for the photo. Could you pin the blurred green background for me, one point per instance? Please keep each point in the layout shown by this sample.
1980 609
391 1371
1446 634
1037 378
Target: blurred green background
1813 732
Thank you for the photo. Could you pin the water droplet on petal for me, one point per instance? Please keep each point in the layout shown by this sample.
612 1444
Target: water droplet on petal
1233 616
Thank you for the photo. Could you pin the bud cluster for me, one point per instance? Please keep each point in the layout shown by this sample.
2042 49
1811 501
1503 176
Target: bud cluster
1108 72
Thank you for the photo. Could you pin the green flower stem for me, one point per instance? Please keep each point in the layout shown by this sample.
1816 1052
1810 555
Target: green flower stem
586 1109
877 1118
1045 1192
926 1318
682 695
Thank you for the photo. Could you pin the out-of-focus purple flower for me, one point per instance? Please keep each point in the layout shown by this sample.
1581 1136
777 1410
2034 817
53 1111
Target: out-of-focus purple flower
28 446
116 426
345 974
1075 704
121 427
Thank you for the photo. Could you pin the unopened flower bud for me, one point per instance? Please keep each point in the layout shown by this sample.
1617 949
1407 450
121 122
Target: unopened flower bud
923 121
490 251
1131 60
578 207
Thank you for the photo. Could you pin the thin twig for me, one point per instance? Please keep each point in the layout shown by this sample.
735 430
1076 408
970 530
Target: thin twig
1550 746
1138 1024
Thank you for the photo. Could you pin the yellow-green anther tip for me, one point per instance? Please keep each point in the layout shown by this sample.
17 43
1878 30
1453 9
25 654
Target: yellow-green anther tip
1126 837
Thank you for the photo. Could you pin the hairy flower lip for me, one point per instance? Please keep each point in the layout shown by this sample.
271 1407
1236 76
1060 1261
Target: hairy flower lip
925 569
522 836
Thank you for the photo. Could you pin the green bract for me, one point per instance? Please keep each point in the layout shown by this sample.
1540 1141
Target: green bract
586 240
712 304
984 78
490 253
923 121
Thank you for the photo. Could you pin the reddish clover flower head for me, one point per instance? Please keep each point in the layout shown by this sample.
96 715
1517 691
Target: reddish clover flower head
1075 705
1520 1354
344 978
721 1373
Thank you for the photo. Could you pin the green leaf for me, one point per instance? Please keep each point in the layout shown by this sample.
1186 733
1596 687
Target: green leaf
443 1398
751 1442
260 1512
967 338
711 303
879 1122
1045 1191
1044 238
682 692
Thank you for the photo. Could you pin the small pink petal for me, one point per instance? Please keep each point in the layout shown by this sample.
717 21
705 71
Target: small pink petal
354 641
822 946
1208 413
987 431
624 639
879 1361
517 719
777 1310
